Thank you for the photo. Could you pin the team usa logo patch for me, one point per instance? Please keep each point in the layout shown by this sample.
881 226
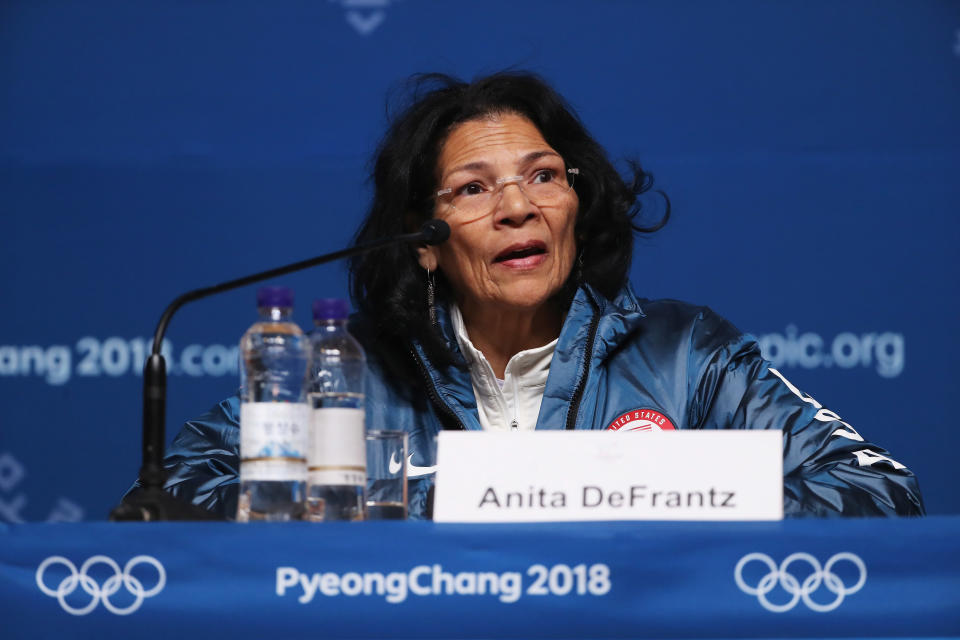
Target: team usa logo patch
642 420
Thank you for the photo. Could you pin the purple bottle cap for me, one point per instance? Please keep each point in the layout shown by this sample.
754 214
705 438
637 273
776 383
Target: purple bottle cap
330 309
275 297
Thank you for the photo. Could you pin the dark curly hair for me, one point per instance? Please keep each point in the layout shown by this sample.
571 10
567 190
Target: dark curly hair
389 286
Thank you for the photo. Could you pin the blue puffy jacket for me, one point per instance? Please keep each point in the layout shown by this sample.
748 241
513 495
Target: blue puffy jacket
626 363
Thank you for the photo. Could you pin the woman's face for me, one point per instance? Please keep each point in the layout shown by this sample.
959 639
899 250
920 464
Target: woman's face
518 254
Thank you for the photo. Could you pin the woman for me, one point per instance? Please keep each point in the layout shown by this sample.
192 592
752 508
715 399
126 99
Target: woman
524 319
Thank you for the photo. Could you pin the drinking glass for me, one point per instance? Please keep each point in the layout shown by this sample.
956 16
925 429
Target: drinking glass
386 475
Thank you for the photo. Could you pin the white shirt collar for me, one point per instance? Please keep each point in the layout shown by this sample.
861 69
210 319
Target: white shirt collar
518 401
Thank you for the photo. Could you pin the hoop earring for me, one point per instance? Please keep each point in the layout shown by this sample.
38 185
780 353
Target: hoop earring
580 267
431 298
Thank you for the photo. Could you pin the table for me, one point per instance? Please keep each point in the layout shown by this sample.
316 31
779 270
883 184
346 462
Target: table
796 578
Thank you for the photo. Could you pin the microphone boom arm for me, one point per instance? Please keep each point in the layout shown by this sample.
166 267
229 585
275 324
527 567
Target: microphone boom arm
197 294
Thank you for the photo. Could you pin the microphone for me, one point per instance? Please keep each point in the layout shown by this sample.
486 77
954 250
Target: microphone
150 501
435 232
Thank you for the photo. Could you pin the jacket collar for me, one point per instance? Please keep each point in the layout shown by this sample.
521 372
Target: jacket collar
452 383
617 319
621 316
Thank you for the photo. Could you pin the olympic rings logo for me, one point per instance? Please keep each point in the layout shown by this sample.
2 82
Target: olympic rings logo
780 575
110 587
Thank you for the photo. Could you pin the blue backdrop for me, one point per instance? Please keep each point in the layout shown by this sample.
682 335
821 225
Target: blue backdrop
810 149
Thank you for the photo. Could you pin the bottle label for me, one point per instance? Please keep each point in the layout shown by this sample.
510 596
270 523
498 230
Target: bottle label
337 447
273 440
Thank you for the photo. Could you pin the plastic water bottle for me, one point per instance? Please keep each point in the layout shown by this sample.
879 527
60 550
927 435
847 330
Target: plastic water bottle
274 414
337 454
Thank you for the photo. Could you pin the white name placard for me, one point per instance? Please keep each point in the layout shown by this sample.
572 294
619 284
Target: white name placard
544 476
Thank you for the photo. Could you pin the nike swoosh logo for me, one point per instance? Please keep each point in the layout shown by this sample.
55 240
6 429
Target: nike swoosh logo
413 471
395 465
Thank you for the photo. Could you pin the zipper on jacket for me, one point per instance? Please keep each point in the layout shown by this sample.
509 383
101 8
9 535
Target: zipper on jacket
435 398
582 383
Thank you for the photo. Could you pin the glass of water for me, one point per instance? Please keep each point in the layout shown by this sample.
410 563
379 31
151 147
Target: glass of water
386 475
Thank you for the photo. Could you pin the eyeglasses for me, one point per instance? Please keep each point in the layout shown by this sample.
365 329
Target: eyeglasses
540 185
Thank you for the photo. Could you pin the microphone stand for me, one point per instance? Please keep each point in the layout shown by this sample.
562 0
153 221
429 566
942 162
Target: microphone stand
150 502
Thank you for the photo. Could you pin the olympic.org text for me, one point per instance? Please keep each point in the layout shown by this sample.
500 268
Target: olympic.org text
113 357
883 352
433 580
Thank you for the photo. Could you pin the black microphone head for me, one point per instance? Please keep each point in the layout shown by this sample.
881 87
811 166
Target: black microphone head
435 232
